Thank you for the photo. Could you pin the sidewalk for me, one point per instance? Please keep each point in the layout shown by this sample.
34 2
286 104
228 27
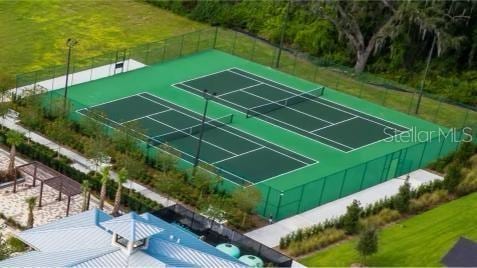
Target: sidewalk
270 235
80 162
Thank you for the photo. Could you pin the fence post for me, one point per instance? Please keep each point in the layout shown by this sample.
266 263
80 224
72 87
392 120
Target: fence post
198 42
364 175
252 52
164 50
266 201
235 41
466 116
438 108
322 190
423 152
182 45
294 64
343 182
301 198
215 36
279 204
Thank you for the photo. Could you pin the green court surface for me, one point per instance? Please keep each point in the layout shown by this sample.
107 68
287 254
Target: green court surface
234 153
301 144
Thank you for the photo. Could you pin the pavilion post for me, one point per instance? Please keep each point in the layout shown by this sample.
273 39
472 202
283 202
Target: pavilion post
89 198
68 206
59 192
41 194
34 176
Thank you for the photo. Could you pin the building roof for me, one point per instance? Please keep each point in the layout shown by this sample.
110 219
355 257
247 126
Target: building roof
462 254
85 240
131 226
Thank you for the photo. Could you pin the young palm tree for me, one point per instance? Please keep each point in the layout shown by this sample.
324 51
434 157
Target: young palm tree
31 201
104 183
14 138
86 188
122 177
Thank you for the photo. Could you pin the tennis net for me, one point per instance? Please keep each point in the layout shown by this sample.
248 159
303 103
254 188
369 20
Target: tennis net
189 131
272 106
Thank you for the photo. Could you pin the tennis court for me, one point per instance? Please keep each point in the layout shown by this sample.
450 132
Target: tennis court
238 156
305 113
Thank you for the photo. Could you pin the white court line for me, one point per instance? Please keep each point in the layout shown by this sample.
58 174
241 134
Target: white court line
107 102
241 154
334 124
288 107
192 136
182 152
237 90
203 76
142 117
315 100
254 142
294 132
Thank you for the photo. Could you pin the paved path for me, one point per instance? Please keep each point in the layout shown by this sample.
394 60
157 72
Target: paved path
80 162
270 235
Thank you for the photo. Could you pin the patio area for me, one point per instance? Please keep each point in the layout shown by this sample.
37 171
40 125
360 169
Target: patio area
14 204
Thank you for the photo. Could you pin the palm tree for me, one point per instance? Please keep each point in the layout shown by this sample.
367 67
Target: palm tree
104 184
14 138
122 177
31 201
86 188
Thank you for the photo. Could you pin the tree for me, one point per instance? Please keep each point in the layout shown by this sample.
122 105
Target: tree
14 138
246 200
31 201
366 25
167 158
368 243
351 218
401 201
453 176
122 178
104 184
86 192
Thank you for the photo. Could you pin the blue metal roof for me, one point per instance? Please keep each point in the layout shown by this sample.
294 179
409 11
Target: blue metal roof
131 226
81 241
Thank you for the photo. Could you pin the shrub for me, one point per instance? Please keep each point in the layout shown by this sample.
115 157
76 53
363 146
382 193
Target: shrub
384 217
429 200
15 244
318 241
351 218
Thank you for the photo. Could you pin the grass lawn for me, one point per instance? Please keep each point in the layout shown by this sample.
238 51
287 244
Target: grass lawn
419 241
33 33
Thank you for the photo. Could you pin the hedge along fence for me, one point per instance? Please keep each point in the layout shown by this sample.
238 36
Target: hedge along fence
129 199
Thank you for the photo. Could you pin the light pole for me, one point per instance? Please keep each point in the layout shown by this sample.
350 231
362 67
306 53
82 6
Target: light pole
70 43
207 96
282 34
421 90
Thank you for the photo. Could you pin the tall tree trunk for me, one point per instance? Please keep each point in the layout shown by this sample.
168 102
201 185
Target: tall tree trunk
102 196
30 219
84 206
11 168
362 57
117 200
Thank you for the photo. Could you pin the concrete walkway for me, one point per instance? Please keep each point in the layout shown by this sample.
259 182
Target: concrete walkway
270 235
80 162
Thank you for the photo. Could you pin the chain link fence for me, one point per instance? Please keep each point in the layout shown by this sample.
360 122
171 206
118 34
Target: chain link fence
281 203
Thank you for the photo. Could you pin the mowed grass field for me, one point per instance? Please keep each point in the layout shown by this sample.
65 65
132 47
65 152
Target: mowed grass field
33 33
419 241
